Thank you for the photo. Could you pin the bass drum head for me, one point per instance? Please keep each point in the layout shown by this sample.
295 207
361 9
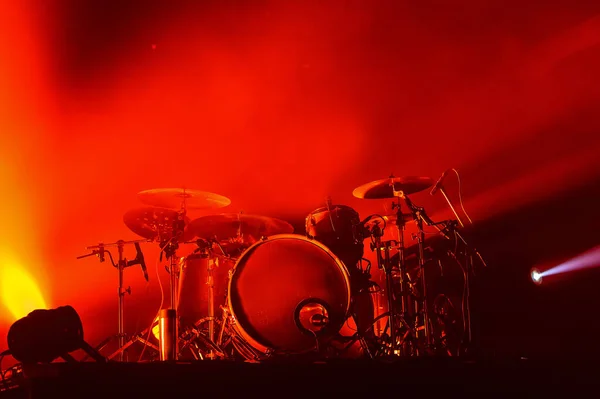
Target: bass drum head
286 292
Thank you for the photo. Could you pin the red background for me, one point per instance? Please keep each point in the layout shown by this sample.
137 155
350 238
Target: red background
277 106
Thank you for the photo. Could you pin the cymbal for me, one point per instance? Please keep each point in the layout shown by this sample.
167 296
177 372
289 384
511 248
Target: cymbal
380 189
177 198
155 223
229 225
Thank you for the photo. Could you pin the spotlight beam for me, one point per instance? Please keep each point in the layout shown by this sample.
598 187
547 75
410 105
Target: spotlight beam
586 260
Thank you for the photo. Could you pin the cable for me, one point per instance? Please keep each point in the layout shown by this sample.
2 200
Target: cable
162 297
460 195
465 280
2 355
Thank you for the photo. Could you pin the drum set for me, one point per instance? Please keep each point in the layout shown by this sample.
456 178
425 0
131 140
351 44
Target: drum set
252 289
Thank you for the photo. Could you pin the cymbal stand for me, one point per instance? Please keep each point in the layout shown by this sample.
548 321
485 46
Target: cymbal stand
383 262
122 263
418 217
400 225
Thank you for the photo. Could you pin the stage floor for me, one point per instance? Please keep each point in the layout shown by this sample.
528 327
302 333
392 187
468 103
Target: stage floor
429 376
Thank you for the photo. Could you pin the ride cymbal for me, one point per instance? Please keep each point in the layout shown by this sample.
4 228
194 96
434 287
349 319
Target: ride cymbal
230 225
182 198
157 224
384 188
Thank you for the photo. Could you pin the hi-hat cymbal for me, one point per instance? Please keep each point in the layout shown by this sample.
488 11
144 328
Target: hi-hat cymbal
230 225
178 198
156 223
380 189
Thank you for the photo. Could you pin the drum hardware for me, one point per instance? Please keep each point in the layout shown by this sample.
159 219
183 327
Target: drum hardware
158 224
141 337
122 263
238 228
420 216
191 337
399 188
383 262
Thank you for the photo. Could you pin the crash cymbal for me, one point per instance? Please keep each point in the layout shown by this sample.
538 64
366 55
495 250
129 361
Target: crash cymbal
380 189
229 225
155 223
178 198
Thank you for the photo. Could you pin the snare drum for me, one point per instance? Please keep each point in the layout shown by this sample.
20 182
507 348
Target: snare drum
288 294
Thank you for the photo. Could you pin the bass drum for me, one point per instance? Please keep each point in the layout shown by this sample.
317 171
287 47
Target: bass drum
288 294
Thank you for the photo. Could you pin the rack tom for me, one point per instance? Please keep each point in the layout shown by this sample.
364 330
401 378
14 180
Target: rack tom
336 227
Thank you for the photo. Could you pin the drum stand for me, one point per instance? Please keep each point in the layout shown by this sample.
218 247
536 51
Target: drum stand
121 264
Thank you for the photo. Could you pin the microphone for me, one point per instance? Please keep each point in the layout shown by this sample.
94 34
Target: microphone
438 184
101 252
140 258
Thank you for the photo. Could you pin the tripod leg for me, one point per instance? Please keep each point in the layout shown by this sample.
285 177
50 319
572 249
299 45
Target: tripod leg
141 337
92 352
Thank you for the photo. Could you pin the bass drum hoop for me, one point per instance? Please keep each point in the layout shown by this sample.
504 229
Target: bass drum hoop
239 329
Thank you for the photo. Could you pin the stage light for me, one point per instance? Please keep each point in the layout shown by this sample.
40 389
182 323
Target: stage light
47 334
536 276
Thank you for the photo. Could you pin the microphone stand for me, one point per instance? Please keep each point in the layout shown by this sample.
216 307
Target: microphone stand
469 268
451 205
121 264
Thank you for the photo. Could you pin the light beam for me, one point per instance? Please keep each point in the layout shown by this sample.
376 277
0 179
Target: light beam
586 260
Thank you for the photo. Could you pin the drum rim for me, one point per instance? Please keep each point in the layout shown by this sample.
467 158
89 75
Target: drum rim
238 327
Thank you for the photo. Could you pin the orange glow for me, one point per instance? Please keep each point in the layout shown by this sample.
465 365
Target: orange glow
20 293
